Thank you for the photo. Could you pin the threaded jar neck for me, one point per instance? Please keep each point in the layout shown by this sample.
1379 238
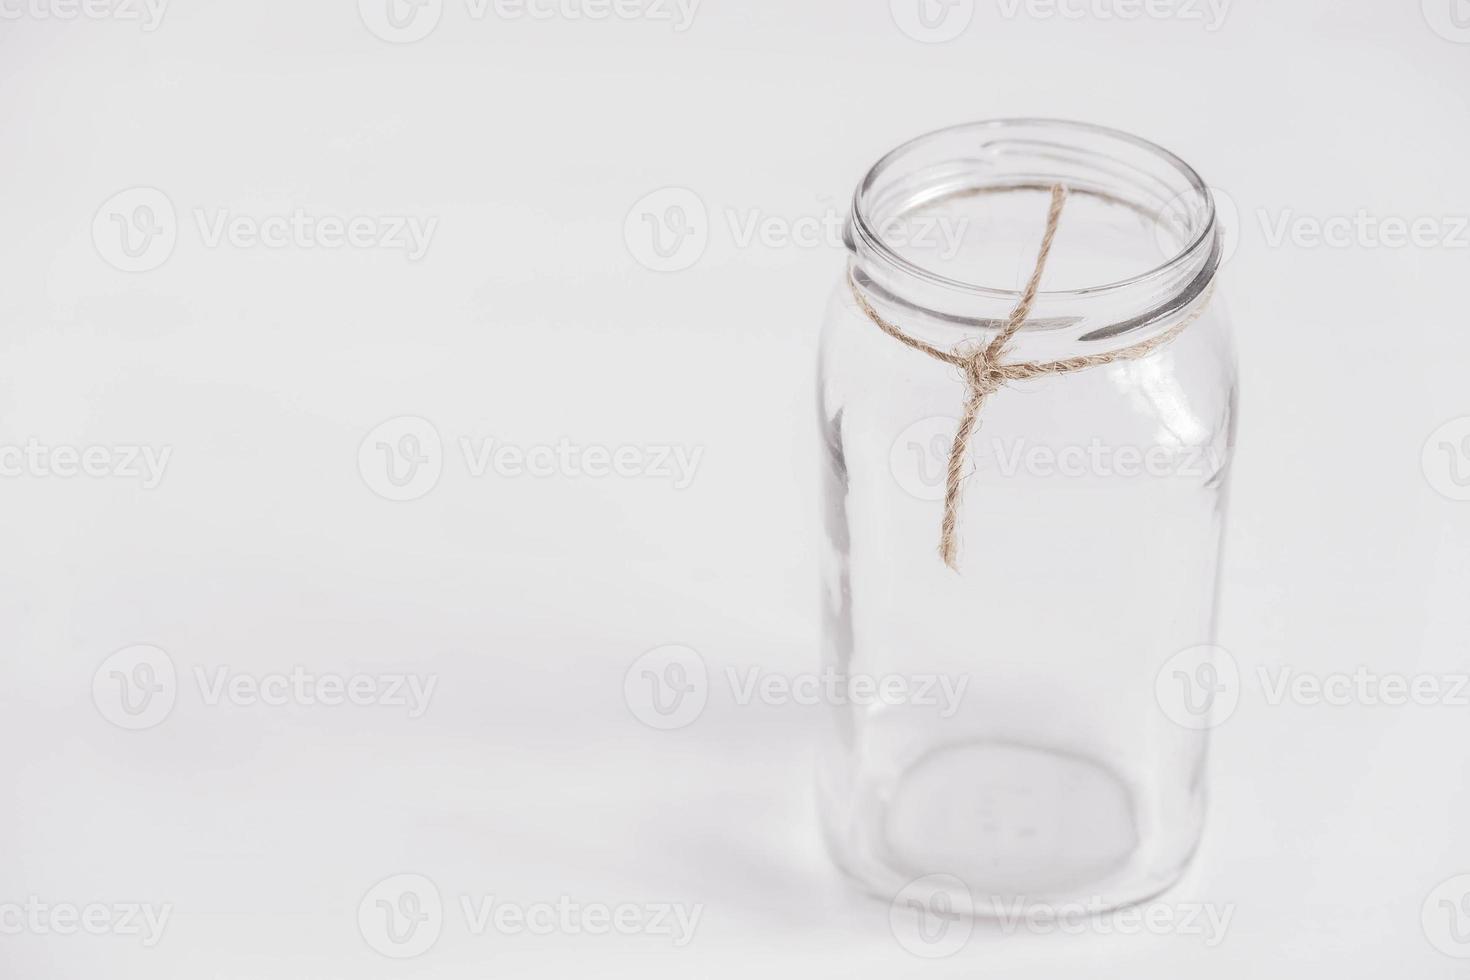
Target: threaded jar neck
944 231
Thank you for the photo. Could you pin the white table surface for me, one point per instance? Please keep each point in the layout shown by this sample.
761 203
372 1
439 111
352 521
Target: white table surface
528 321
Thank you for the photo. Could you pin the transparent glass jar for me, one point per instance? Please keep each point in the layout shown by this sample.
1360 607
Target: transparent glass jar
1042 738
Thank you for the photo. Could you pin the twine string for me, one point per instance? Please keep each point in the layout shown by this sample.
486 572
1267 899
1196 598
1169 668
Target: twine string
986 371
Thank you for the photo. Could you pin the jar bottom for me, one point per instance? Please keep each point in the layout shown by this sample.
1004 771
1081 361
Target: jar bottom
1013 825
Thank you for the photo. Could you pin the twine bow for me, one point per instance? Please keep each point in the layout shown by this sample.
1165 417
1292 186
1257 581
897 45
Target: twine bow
986 371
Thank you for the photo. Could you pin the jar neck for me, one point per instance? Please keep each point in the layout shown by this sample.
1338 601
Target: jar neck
938 175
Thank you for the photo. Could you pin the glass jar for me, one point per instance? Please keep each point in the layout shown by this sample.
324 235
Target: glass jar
1038 735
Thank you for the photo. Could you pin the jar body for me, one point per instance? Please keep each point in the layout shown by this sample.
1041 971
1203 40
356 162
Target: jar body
1044 740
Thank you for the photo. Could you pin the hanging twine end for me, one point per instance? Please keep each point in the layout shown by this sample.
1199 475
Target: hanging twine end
951 560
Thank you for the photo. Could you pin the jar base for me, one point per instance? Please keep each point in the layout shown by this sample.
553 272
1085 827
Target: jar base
1014 826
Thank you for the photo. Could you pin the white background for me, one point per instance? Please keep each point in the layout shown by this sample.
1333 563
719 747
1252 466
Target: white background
530 319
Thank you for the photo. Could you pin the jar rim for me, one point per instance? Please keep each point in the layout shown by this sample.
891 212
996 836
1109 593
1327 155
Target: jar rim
1196 251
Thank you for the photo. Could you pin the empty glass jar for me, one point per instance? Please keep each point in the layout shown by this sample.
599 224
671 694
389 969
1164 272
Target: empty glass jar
1067 761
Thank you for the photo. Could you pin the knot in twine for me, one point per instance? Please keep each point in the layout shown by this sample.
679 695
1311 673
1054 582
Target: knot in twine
986 372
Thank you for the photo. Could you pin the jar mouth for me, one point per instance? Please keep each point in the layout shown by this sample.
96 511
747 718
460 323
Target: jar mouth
1032 154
